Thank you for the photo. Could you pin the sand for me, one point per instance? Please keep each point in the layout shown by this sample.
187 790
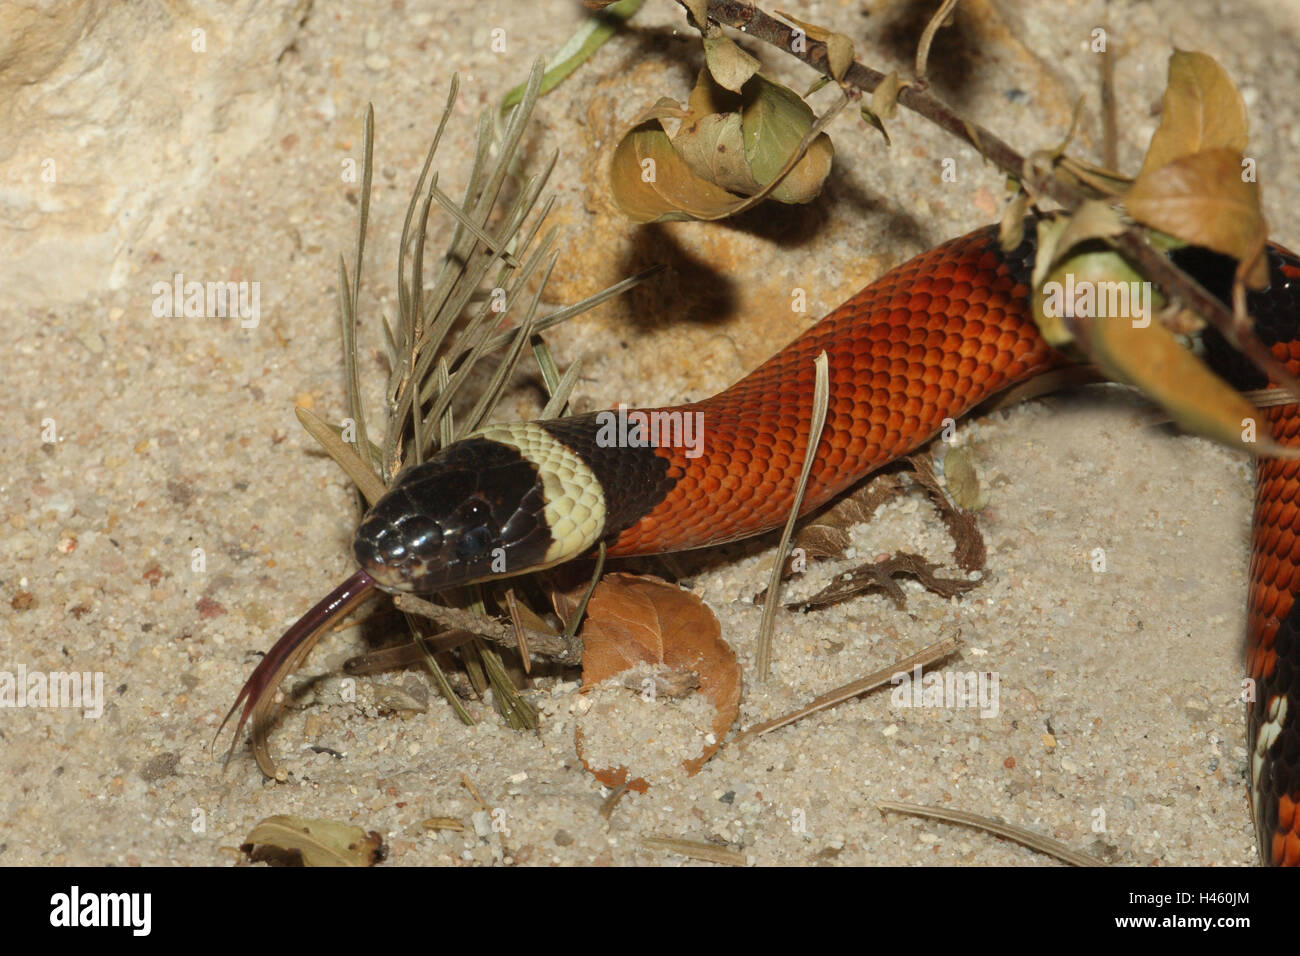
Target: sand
1118 728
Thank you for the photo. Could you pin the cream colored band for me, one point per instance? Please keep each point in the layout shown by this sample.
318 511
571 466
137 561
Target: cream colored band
575 501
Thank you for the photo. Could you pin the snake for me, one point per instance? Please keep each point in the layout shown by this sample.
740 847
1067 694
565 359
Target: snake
919 347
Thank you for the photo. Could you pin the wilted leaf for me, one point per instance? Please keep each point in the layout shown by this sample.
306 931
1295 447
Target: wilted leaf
1201 110
714 148
880 576
839 48
665 108
884 99
314 842
774 121
708 97
968 551
963 484
634 620
730 65
1093 219
872 119
1011 230
699 11
1203 199
1152 359
666 683
1090 285
651 183
827 535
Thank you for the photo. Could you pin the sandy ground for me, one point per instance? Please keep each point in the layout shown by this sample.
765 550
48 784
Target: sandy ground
1119 729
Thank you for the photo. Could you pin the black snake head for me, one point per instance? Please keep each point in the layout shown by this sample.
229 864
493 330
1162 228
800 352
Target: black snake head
496 504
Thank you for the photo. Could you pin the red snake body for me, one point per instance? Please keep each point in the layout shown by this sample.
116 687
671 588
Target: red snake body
926 342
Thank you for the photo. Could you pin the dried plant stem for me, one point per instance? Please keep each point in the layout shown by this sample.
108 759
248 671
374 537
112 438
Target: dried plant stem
540 644
821 400
922 658
1035 841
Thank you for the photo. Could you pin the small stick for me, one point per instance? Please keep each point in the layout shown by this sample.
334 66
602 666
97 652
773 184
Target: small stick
927 655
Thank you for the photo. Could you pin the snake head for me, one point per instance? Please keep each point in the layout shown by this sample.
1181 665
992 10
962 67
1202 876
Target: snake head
489 506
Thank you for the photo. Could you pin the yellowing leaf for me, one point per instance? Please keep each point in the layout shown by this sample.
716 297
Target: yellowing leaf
1203 199
730 65
708 97
319 842
839 48
1090 287
963 483
714 147
1202 109
1153 359
884 100
665 108
775 121
651 183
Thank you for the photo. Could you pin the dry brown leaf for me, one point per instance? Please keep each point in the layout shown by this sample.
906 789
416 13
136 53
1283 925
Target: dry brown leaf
1201 110
708 97
664 108
1011 230
633 620
286 839
884 100
730 65
881 575
667 684
650 182
714 147
963 483
827 535
1204 199
839 48
968 551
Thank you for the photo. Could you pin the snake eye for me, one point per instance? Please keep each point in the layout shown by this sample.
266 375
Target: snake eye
472 544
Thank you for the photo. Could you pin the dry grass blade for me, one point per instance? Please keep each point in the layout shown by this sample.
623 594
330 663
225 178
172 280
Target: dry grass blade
349 293
560 392
344 455
435 670
521 635
922 658
450 206
504 247
571 626
1034 841
821 393
569 311
505 368
696 851
566 651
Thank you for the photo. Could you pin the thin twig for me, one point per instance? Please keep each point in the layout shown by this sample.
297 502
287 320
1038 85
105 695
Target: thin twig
922 658
1035 841
821 400
552 646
